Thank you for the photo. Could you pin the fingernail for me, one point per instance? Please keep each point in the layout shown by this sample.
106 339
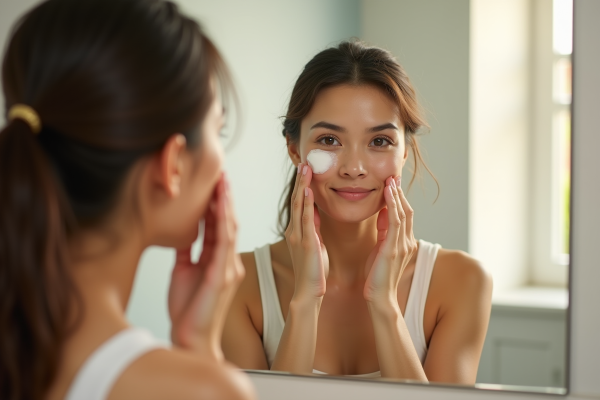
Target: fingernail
305 192
304 170
393 184
399 180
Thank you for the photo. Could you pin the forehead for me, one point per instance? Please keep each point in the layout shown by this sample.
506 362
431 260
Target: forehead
353 105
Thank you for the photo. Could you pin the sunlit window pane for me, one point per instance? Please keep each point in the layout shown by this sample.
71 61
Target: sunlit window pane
562 129
562 81
562 26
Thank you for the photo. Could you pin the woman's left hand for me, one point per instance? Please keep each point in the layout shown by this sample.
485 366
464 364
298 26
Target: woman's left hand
395 247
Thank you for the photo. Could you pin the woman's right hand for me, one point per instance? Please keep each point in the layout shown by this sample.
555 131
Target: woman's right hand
305 244
200 293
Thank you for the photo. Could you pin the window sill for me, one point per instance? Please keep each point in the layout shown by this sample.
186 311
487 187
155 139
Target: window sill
532 298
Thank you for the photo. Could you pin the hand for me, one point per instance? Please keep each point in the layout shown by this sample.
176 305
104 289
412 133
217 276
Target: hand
200 294
396 244
303 237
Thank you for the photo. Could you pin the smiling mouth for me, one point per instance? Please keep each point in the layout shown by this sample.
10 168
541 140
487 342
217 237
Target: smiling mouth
353 194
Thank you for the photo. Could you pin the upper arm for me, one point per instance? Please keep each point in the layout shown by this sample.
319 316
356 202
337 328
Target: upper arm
457 340
241 342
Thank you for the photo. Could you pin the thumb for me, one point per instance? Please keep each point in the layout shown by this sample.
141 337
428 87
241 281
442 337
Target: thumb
382 224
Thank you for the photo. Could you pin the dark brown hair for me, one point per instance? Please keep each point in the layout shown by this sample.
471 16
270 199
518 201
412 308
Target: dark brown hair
352 63
111 80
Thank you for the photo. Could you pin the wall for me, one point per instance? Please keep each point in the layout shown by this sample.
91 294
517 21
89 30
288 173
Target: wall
10 11
435 55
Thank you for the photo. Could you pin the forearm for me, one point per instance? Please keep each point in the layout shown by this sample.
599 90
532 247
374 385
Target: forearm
395 350
296 351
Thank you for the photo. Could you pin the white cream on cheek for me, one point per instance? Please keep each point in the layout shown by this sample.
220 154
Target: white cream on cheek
320 160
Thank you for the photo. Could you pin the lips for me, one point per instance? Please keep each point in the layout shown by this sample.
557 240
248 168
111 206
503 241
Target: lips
352 193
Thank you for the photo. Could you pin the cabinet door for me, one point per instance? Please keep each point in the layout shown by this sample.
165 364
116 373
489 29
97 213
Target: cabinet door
524 347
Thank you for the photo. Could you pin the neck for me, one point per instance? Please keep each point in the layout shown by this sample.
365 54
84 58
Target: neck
104 267
348 246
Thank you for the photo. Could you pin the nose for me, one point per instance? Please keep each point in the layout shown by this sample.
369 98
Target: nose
352 164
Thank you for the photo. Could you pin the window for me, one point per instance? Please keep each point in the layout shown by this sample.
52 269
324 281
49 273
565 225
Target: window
562 44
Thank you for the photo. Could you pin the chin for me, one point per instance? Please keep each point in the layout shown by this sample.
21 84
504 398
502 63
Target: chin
349 212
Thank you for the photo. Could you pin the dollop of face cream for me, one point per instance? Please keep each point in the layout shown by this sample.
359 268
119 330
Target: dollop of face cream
320 160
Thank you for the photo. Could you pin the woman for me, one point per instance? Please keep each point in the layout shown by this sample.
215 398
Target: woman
112 145
360 294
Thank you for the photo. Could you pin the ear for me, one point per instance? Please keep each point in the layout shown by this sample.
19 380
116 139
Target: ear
293 151
171 164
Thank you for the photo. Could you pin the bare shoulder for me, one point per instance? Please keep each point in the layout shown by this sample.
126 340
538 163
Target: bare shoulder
177 374
457 272
458 265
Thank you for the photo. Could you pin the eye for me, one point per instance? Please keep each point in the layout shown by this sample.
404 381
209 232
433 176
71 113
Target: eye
380 142
328 141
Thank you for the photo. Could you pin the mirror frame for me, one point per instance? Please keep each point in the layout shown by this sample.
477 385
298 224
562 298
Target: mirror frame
583 361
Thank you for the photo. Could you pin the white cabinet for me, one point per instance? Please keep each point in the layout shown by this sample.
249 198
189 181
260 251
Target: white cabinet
525 345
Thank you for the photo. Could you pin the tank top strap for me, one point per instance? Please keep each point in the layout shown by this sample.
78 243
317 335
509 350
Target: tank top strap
273 321
101 370
415 306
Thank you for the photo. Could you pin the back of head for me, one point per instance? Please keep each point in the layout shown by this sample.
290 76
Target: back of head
111 81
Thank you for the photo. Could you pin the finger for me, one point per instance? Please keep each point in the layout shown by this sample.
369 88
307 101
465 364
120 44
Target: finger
394 224
308 218
230 214
298 205
408 211
183 258
210 223
401 213
293 197
382 224
296 181
222 242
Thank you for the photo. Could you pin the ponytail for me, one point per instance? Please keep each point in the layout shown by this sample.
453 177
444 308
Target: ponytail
36 292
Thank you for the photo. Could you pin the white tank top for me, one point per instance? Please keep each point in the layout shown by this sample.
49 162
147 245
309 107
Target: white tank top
273 321
101 370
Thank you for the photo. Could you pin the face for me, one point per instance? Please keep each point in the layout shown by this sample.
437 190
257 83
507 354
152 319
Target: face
198 170
362 127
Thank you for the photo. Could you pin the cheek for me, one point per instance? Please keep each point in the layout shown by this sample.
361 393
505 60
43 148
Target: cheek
387 165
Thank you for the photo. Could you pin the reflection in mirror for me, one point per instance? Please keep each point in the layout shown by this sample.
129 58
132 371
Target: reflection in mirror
493 77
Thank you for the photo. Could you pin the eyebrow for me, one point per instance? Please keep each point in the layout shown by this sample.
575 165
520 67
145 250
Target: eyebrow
327 125
383 127
336 128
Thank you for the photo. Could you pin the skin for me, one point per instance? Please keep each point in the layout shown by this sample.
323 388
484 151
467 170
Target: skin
165 196
344 270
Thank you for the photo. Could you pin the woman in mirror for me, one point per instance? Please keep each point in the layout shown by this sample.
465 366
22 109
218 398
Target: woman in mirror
112 145
349 290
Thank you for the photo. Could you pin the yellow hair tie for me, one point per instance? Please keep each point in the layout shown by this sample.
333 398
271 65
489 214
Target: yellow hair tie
27 114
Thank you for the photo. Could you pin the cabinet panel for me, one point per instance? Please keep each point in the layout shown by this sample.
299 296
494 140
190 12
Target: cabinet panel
524 346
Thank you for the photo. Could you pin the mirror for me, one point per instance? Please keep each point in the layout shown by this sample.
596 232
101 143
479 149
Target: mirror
494 79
